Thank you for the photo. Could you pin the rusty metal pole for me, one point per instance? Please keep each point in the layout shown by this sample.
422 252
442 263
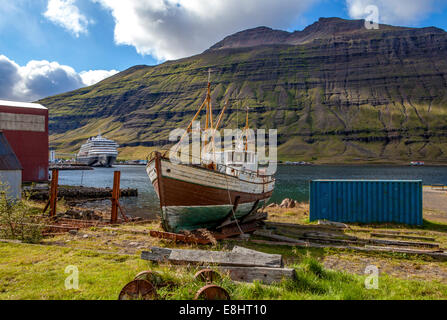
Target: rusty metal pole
115 197
53 192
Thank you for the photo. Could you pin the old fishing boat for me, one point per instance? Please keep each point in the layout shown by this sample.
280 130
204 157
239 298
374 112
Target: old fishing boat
224 186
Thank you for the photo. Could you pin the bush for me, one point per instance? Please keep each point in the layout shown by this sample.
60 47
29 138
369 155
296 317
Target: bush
18 222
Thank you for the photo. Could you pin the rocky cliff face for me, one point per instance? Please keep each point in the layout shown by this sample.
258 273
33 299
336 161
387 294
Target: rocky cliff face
335 91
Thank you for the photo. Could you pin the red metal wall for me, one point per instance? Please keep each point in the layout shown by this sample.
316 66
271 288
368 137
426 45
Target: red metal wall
31 147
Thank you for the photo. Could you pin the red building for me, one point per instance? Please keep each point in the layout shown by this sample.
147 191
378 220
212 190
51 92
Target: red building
25 126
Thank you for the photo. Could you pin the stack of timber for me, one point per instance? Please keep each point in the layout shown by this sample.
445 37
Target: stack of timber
327 236
227 229
241 264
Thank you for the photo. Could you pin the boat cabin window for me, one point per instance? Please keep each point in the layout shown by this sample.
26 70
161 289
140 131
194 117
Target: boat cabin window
240 157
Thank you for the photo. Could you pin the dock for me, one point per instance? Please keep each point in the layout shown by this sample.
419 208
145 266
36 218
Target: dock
69 166
77 193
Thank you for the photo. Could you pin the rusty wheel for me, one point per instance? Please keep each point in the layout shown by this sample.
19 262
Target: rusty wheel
212 292
207 276
138 290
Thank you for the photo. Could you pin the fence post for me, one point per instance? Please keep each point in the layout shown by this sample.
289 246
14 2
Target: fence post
115 197
53 192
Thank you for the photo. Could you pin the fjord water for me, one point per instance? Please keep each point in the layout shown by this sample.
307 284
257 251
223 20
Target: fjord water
291 181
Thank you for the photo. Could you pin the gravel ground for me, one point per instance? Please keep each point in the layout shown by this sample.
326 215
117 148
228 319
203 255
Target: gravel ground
416 270
435 204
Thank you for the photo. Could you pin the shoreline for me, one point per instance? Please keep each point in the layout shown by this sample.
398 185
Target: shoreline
364 165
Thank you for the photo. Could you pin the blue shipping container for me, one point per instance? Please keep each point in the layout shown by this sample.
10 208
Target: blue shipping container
366 201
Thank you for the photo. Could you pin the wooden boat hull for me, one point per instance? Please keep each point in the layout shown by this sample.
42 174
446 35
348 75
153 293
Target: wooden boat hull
195 197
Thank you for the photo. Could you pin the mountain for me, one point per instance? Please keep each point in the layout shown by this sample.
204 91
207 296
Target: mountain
336 92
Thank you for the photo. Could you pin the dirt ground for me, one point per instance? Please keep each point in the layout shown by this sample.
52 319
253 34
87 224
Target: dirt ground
435 204
395 266
403 269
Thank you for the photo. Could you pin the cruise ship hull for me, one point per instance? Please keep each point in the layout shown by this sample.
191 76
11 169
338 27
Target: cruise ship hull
98 161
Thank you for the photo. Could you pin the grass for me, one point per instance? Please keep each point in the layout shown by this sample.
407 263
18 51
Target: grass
38 272
107 259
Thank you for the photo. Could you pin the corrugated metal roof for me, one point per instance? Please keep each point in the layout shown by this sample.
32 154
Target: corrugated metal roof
17 104
8 159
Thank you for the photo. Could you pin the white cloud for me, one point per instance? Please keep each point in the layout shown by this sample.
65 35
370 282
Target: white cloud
169 29
67 15
92 77
39 79
403 12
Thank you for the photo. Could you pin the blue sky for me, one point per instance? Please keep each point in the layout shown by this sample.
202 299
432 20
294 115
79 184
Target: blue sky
51 46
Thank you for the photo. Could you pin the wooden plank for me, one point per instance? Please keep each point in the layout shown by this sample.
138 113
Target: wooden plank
397 236
254 253
326 238
403 243
265 275
403 231
203 257
231 231
224 258
302 226
156 254
279 238
438 255
260 215
314 234
53 192
115 196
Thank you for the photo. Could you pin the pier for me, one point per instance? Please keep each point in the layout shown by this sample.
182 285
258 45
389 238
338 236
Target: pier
77 193
69 166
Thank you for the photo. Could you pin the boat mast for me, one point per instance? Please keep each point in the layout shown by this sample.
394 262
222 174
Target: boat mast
206 103
246 131
209 119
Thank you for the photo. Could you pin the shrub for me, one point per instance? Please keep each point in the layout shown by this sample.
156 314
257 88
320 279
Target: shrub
18 222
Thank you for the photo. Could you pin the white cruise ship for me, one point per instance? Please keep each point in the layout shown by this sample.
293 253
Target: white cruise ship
98 152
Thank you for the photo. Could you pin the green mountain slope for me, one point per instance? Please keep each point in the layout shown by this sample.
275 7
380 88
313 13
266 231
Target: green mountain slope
335 91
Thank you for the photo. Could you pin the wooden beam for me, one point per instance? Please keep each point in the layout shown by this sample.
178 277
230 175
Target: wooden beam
269 235
402 236
115 197
302 226
438 255
53 192
342 239
402 243
262 274
203 257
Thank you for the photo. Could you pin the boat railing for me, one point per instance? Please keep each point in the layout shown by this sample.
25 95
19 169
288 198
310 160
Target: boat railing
238 171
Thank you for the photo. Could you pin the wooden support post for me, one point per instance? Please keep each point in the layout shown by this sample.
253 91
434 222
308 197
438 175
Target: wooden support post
53 192
115 197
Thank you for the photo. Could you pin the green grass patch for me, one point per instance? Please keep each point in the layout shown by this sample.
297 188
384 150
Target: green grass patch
38 272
